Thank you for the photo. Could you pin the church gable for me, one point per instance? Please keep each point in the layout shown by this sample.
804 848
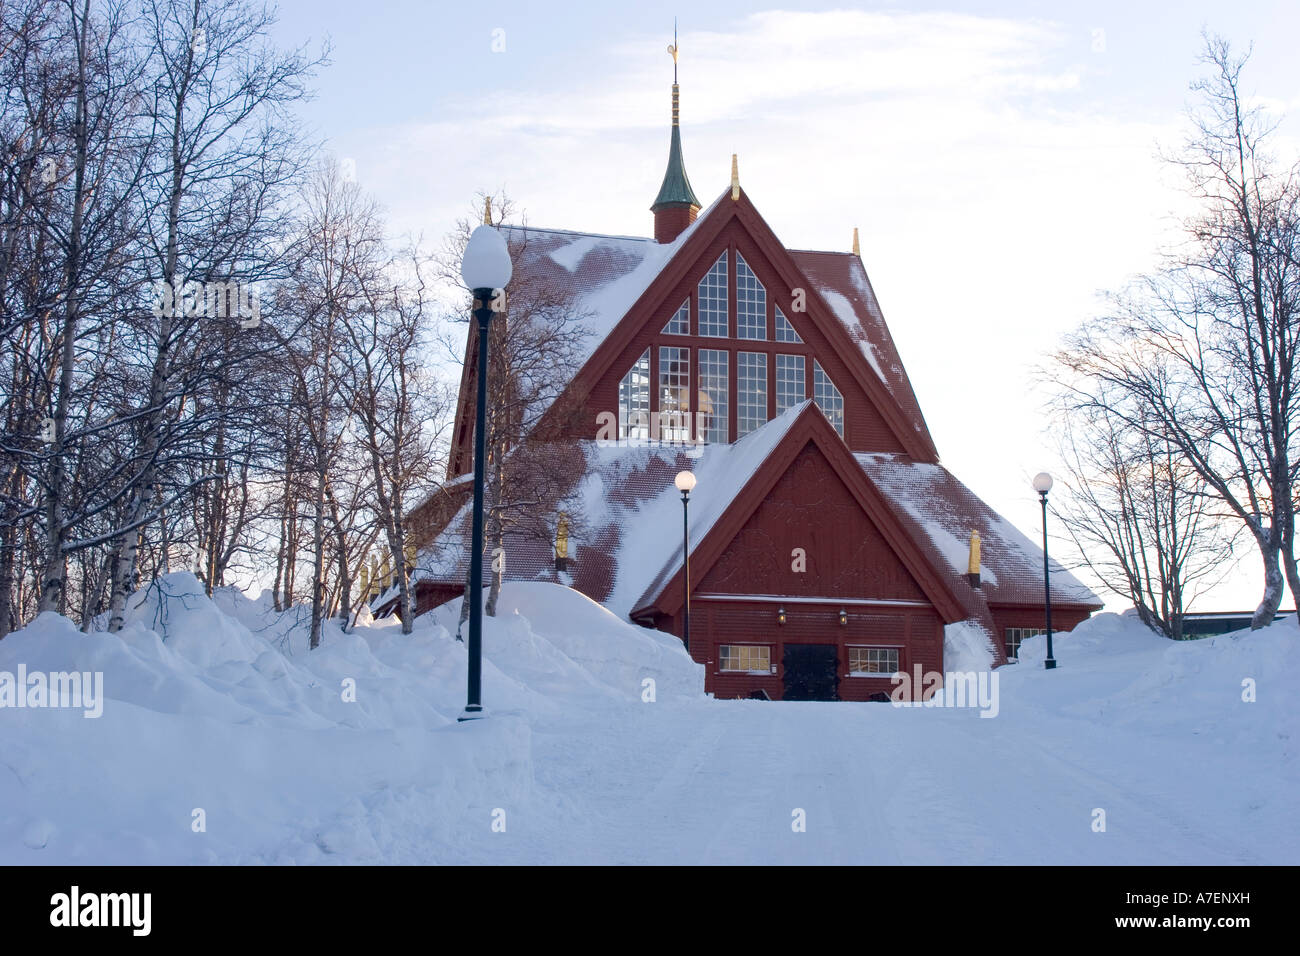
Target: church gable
748 540
730 335
810 537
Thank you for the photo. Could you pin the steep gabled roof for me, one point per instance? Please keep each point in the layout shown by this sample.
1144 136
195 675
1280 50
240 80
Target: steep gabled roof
620 284
842 281
605 275
940 509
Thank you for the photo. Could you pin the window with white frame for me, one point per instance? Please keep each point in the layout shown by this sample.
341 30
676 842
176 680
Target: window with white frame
680 323
784 330
828 397
873 660
634 400
1017 636
745 658
713 394
713 300
674 393
751 388
751 303
791 381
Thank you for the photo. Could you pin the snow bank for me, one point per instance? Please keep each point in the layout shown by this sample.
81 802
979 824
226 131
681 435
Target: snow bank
546 637
1127 674
224 739
966 648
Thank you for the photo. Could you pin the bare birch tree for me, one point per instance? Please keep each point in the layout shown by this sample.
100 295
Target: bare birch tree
1203 352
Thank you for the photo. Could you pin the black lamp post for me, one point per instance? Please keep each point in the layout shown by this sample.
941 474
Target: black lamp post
485 269
685 481
1042 485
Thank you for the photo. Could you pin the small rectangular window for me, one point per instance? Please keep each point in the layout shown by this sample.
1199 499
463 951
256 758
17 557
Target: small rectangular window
745 658
714 404
791 382
1015 636
873 660
674 393
751 384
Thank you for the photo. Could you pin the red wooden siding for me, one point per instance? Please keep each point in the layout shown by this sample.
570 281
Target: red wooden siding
917 632
811 509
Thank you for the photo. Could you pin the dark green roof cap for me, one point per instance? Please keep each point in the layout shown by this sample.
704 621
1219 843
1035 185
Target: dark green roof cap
676 189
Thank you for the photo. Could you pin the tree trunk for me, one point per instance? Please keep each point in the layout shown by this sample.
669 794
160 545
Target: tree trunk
341 559
494 545
55 571
1288 549
1272 598
318 552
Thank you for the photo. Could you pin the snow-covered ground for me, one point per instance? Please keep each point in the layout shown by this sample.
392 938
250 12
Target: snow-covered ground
217 706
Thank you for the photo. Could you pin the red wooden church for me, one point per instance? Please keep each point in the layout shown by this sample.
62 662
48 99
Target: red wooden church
829 548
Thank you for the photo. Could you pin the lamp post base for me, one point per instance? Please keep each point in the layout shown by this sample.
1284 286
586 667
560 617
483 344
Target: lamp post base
1050 664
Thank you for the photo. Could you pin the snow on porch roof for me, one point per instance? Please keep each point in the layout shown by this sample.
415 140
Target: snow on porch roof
628 532
647 562
626 540
940 509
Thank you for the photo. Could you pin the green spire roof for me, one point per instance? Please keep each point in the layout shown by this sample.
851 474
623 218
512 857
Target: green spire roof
676 188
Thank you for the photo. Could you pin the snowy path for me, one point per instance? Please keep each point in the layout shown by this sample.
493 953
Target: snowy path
716 782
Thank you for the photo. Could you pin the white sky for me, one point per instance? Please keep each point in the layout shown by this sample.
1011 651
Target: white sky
999 159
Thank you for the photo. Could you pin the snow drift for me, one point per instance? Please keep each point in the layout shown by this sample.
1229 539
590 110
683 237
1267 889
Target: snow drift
224 739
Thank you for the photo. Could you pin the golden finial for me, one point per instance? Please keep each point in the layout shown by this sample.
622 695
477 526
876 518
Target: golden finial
562 537
973 567
487 210
856 251
672 50
735 178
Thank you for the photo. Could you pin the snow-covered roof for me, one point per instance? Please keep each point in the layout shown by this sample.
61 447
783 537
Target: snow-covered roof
626 534
605 274
941 510
721 473
627 528
841 279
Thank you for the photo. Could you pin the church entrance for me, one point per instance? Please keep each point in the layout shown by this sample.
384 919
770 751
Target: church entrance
811 672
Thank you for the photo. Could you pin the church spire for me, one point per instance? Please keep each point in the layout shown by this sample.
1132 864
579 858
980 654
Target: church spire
675 207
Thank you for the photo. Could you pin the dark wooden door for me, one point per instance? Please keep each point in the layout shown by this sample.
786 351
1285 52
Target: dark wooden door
811 672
